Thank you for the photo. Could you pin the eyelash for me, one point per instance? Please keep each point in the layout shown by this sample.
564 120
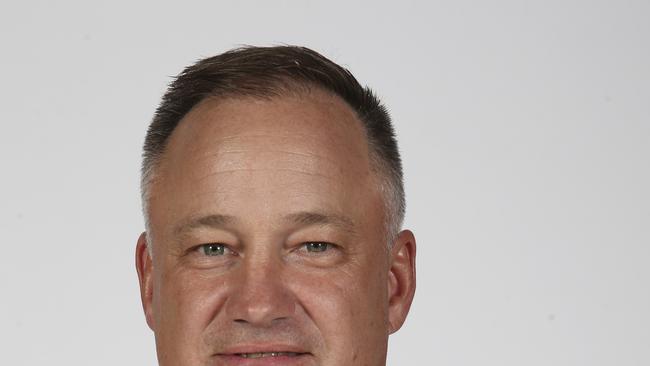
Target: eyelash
222 249
325 246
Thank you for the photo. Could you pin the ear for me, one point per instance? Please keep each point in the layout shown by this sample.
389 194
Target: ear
401 279
144 266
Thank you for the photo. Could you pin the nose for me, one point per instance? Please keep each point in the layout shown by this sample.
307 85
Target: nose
260 297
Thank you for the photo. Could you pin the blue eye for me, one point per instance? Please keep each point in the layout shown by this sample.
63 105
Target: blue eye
317 247
213 249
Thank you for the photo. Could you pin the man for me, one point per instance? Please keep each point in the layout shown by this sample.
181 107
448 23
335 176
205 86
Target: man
273 198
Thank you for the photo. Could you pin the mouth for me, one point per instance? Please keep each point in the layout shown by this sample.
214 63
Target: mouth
261 355
268 354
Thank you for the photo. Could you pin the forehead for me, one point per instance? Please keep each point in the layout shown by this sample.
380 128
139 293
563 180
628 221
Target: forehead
314 121
283 153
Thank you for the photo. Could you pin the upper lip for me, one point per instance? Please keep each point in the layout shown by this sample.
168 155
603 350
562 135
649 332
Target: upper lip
261 348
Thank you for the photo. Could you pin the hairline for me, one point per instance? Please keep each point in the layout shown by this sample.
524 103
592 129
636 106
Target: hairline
385 178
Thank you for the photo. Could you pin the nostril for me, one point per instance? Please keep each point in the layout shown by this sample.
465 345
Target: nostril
243 321
260 300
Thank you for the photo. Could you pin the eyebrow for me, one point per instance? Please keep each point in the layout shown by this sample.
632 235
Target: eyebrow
212 221
306 218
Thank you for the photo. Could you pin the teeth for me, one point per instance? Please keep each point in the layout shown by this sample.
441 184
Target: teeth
267 354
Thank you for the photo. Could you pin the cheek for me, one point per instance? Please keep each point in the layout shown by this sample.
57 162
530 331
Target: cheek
186 305
348 308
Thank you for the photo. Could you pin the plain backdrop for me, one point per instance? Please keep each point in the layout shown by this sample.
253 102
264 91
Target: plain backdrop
525 133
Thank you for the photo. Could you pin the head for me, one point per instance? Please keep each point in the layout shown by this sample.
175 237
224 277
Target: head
273 200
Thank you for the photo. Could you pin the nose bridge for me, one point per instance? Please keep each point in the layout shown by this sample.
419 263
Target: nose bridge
261 295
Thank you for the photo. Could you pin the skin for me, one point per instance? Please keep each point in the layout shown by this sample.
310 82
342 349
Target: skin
261 180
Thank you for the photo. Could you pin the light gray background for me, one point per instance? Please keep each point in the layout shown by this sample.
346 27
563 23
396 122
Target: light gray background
525 133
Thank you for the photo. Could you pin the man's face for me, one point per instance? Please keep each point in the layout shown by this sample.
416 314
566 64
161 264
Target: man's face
268 239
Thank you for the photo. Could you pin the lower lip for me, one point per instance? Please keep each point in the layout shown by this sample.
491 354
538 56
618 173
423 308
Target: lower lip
234 360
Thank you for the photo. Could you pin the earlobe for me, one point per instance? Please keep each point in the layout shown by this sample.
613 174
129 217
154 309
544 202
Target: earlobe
144 266
401 279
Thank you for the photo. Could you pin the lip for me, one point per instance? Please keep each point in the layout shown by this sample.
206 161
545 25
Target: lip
265 347
230 356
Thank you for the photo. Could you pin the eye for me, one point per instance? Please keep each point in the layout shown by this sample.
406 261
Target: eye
317 246
318 254
213 249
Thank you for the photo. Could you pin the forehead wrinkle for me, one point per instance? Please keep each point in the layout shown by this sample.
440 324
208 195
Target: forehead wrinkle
237 157
257 161
263 136
230 171
308 218
306 145
218 194
201 148
214 221
242 151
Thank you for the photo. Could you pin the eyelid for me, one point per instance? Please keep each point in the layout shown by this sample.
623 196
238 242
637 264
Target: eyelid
329 247
317 242
226 247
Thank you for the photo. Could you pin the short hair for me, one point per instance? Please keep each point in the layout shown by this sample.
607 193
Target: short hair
267 72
